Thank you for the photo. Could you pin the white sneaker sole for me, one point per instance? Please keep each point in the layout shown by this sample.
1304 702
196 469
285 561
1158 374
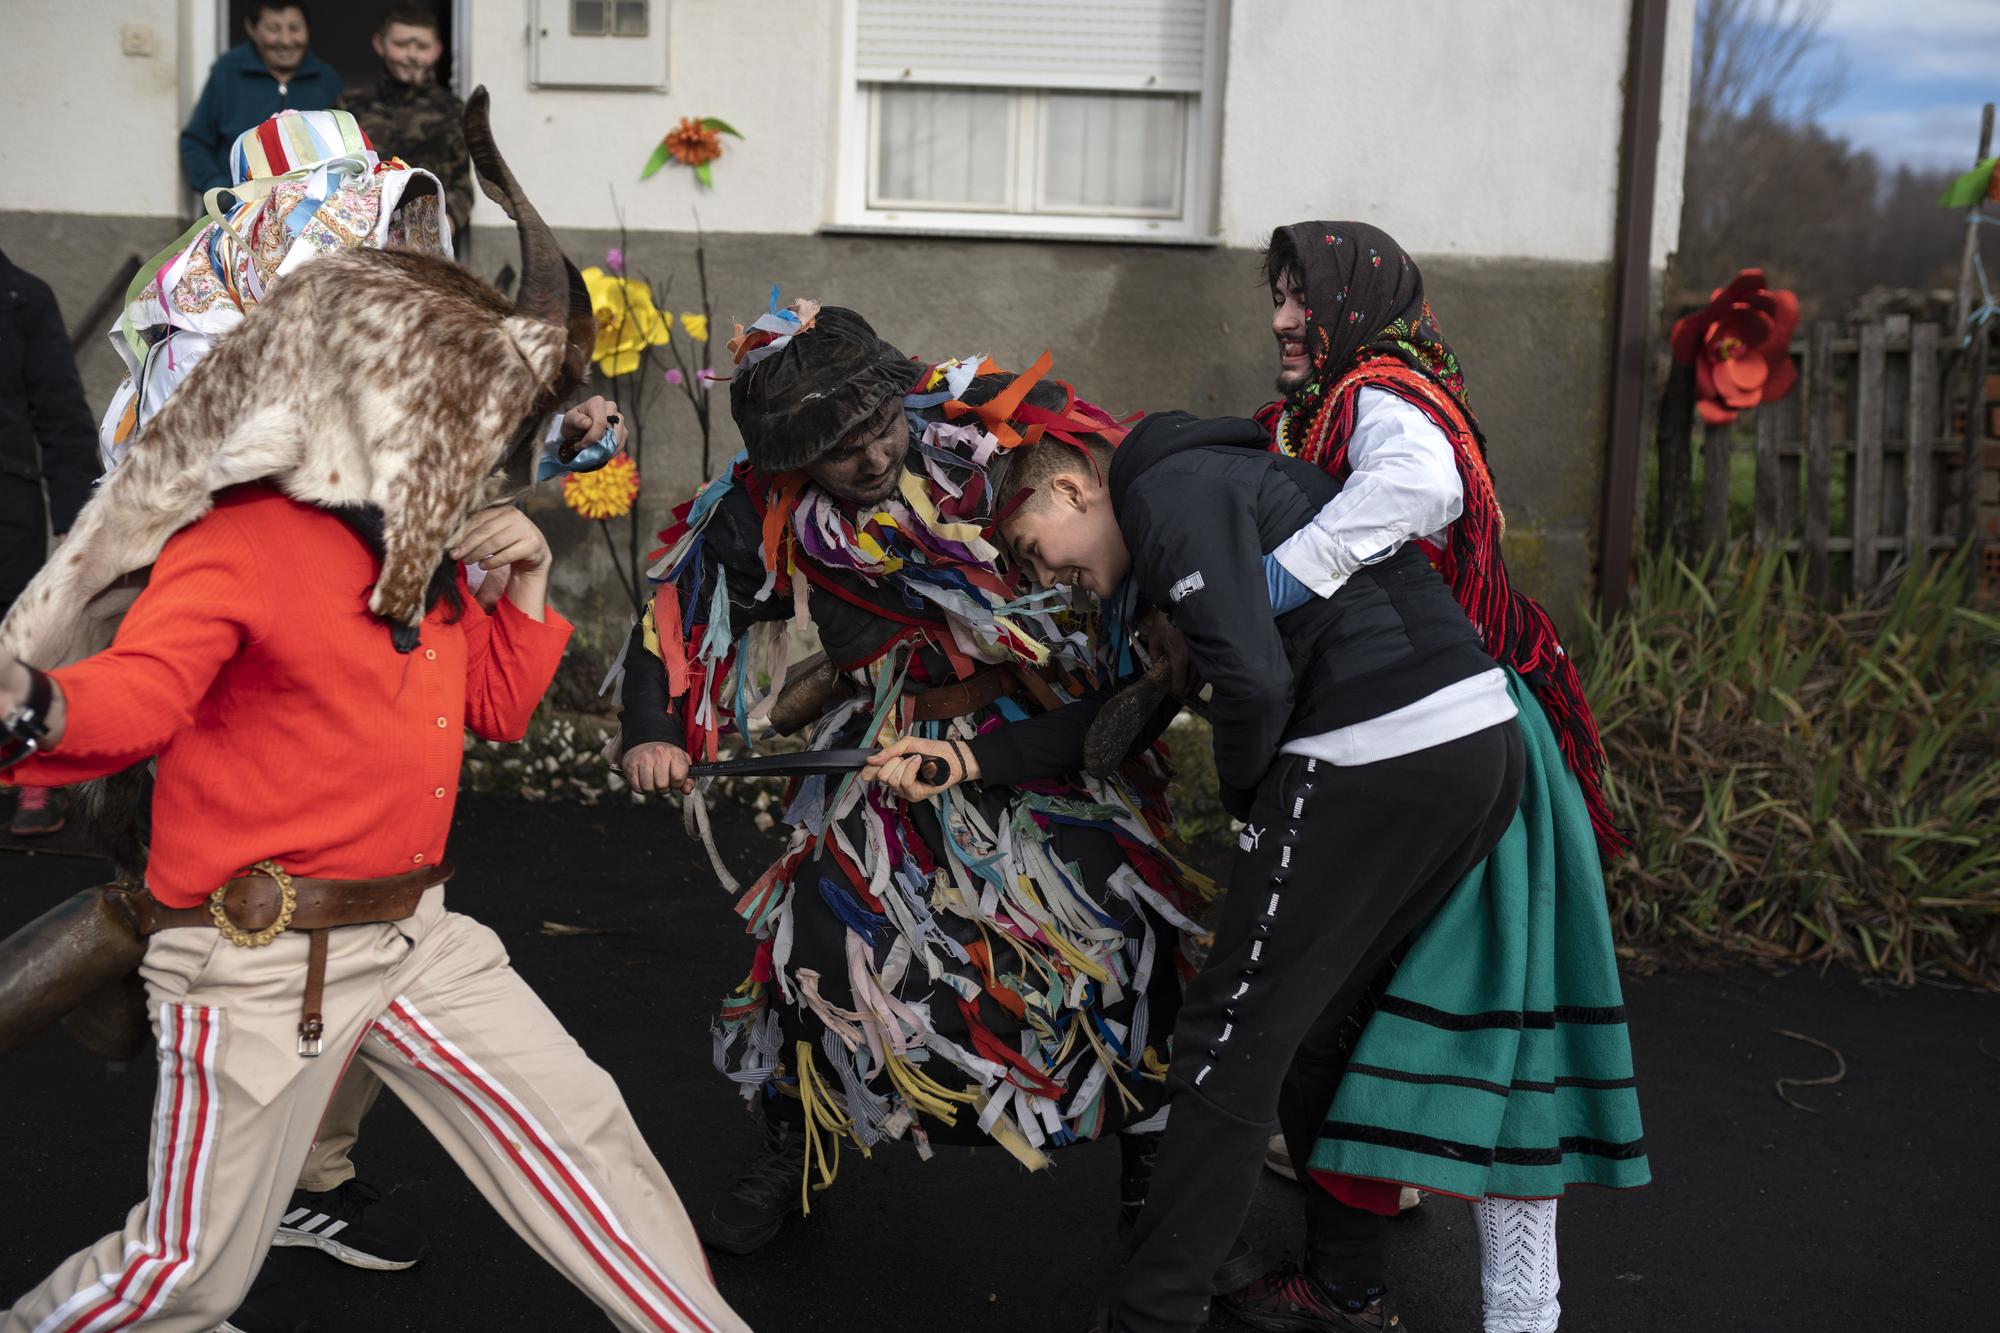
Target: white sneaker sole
353 1258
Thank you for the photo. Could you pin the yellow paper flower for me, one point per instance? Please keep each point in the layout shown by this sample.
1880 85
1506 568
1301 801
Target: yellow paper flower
696 326
606 493
627 323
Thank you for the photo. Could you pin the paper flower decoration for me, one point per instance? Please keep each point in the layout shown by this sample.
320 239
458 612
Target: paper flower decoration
606 493
1982 182
627 323
1740 346
692 143
696 326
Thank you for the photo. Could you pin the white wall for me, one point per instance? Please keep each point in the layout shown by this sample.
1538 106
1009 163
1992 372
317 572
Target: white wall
765 66
1488 128
1670 178
87 129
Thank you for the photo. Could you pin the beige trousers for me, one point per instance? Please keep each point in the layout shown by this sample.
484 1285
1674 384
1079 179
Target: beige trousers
327 1165
429 1006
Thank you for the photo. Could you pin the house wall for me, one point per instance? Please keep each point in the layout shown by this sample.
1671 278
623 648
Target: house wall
1488 145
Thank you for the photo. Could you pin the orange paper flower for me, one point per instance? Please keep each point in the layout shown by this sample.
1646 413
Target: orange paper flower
1740 345
606 493
694 143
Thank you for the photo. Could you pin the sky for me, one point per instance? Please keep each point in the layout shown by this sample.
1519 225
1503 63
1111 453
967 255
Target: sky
1917 72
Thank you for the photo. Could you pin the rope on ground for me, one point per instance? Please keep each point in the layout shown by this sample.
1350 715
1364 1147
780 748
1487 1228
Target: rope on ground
1828 1081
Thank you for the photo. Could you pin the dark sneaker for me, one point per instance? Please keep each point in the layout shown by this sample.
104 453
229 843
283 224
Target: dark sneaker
1286 1300
41 812
271 1307
752 1210
349 1223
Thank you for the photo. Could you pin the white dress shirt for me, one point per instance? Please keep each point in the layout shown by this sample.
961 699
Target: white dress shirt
1402 483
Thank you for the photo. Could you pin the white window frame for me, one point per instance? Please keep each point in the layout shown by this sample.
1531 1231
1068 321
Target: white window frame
852 180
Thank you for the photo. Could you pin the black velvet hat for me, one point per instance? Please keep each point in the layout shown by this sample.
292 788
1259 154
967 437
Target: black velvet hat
797 403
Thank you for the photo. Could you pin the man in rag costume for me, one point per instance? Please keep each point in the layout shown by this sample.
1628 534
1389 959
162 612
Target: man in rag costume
293 917
1544 1097
996 965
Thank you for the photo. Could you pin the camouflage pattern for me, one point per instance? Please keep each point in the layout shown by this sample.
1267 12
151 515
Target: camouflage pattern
423 126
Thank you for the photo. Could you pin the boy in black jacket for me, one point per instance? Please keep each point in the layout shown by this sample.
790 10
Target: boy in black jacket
1367 741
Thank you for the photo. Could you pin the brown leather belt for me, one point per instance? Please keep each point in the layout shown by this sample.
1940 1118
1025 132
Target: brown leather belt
981 688
256 907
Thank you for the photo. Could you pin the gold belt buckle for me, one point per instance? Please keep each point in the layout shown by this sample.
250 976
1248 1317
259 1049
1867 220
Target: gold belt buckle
288 900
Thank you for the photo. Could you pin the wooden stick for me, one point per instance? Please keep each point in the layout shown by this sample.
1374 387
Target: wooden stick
1961 308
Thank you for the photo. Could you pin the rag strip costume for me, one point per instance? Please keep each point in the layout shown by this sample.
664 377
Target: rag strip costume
993 964
293 923
1494 1062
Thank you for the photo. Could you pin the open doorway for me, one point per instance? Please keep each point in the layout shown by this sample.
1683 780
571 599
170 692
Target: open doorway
341 36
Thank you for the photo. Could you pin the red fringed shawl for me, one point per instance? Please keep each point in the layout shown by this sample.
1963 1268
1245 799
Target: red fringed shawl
1517 631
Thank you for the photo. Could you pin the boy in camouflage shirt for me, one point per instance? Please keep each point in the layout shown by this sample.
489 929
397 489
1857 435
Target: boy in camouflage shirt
409 114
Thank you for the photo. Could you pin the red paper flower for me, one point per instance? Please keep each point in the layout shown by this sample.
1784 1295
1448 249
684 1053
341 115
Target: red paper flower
1740 344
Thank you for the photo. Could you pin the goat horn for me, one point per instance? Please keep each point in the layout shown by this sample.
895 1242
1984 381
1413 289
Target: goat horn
551 289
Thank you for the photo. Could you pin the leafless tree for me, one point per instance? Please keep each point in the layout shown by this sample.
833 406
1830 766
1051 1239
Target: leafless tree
1767 186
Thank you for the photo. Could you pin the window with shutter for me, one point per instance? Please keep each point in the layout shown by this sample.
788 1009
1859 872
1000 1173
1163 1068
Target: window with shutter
1042 117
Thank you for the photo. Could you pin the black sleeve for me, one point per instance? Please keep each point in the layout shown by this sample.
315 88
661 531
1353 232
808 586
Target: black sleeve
1050 745
56 406
645 712
1194 533
732 550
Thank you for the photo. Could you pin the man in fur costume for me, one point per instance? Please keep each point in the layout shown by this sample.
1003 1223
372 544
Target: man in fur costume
306 714
996 966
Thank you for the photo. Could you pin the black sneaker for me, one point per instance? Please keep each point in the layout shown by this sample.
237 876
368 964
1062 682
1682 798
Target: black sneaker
347 1223
41 812
271 1307
754 1209
1286 1300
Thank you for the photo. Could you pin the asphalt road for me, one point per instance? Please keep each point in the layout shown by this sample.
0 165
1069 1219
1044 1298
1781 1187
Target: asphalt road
1882 1210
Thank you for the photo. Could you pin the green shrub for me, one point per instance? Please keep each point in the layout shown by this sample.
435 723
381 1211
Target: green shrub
1804 785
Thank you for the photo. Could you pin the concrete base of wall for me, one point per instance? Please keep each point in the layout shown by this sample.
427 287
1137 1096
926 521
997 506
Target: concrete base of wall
1132 327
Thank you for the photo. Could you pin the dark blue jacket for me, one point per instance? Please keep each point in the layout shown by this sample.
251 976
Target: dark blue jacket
46 432
241 93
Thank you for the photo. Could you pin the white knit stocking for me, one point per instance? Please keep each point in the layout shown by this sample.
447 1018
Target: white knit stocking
1517 1264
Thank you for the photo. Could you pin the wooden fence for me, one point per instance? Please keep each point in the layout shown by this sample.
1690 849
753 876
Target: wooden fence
1859 468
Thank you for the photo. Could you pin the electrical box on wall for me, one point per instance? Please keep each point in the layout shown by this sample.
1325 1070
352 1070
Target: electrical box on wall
599 43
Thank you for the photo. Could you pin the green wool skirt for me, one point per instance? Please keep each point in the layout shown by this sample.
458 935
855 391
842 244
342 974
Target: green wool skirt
1497 1060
